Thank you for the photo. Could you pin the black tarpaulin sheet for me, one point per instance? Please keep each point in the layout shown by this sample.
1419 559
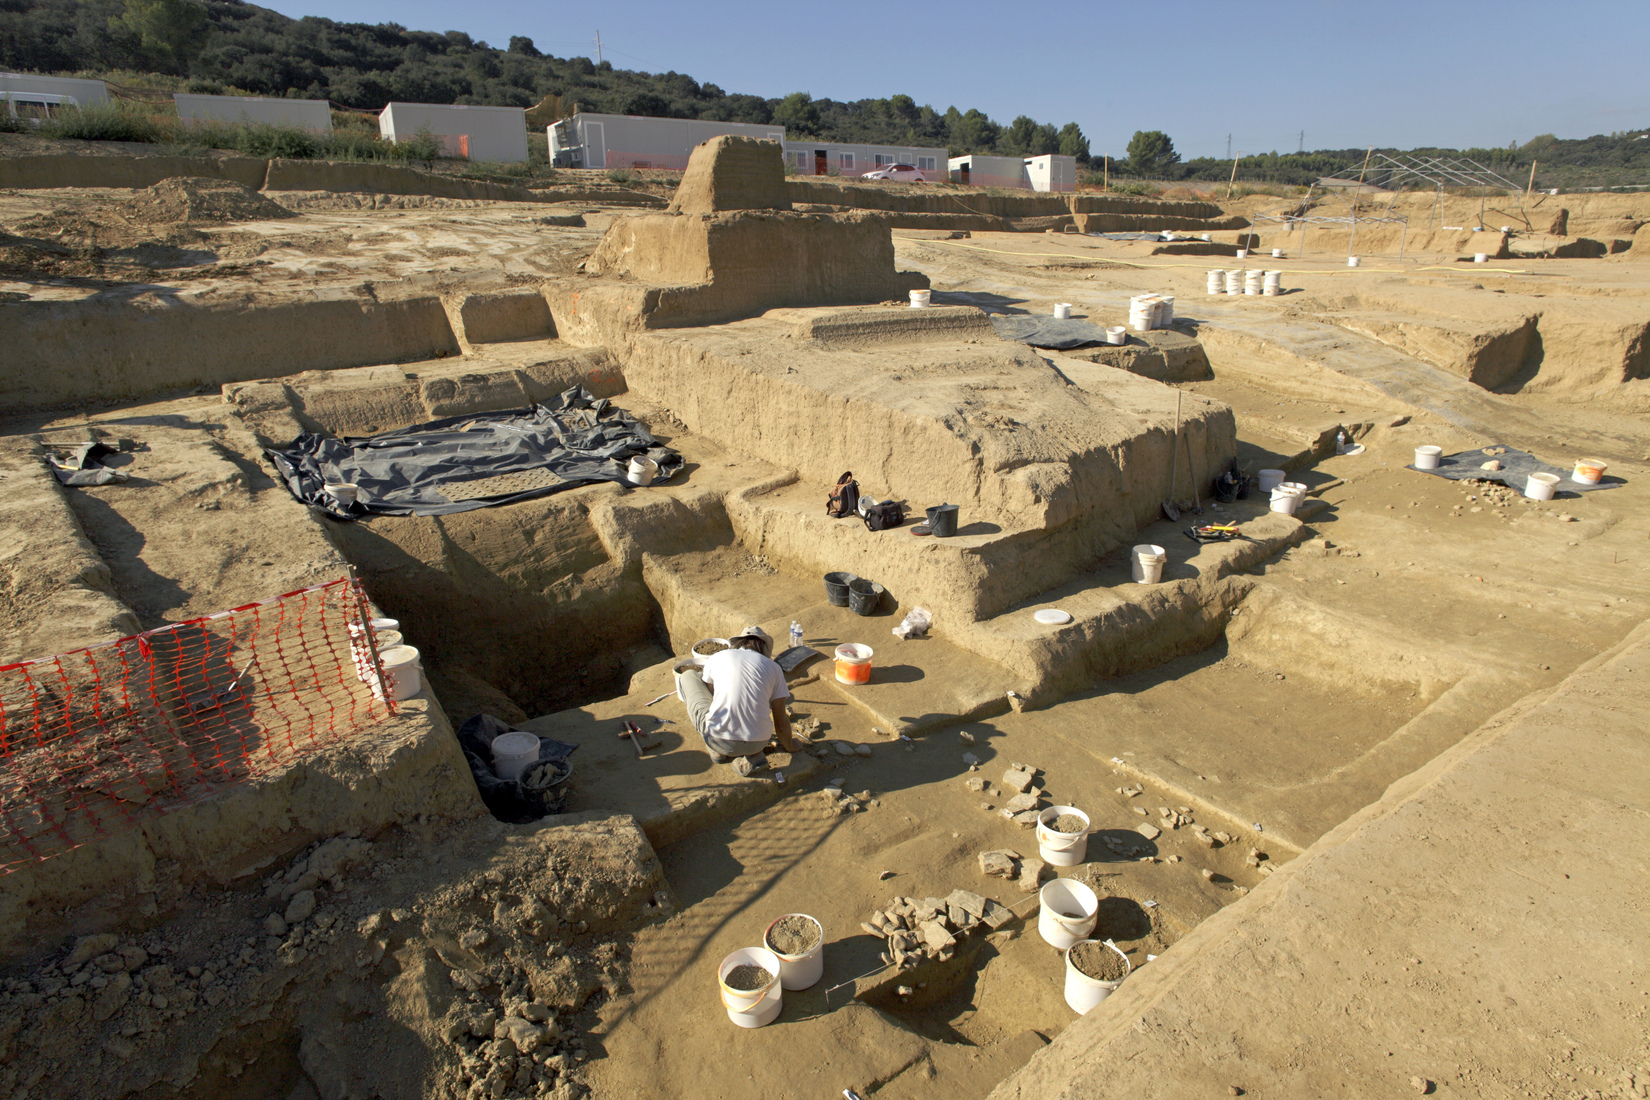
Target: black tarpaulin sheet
1047 332
476 461
516 802
1516 468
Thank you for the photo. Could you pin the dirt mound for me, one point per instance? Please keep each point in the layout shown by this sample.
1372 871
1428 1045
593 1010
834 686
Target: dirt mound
194 200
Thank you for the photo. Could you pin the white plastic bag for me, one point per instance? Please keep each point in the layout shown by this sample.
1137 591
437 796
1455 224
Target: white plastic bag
916 624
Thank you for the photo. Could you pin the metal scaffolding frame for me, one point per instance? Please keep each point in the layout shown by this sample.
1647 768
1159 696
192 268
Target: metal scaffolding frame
1390 173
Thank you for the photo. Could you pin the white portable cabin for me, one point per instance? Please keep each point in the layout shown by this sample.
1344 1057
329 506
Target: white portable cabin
66 88
303 114
835 158
983 171
476 133
589 140
1052 172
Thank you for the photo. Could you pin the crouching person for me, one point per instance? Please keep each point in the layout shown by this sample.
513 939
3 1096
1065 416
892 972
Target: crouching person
737 701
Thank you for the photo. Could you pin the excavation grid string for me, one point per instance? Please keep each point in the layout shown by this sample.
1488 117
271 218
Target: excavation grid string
93 740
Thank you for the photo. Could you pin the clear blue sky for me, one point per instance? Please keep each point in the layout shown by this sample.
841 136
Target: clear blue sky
1350 74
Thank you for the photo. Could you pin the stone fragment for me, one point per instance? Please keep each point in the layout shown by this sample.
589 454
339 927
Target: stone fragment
473 939
536 1011
1207 874
113 997
976 782
1018 780
1251 860
965 737
936 935
1031 875
483 1023
526 1035
1020 803
996 915
110 963
1026 819
905 991
1420 1085
997 864
862 750
1224 838
873 930
300 907
843 748
1150 832
958 918
968 901
89 947
884 876
1141 810
133 956
275 925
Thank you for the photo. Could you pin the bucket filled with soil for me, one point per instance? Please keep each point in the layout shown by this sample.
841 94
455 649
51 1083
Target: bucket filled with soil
1094 970
1062 836
1067 914
798 942
749 981
706 648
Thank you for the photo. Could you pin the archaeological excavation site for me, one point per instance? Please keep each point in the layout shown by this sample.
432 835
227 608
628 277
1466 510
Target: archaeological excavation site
1212 637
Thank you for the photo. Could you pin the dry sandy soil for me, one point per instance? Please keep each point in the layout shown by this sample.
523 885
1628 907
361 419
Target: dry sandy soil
1349 653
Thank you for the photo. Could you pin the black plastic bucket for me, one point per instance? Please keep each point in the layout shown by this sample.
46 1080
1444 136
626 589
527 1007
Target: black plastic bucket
942 520
836 588
863 596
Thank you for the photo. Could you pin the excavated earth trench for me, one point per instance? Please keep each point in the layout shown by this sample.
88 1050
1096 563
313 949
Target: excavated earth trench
411 946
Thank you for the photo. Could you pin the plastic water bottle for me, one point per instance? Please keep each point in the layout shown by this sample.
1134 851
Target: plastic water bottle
796 634
1340 442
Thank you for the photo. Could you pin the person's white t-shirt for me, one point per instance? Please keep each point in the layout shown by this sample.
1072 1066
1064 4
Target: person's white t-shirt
743 685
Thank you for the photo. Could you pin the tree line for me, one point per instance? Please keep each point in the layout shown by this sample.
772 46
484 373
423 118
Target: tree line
1601 160
227 46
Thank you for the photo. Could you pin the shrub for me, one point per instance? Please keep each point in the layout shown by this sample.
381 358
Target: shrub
117 120
1134 187
621 175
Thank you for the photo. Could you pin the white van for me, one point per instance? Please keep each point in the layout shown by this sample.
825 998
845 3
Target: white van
36 107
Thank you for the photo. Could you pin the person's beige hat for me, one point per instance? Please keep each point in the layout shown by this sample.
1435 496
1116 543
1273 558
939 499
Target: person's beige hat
757 632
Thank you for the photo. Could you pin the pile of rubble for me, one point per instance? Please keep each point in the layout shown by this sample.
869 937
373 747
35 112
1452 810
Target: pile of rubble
932 928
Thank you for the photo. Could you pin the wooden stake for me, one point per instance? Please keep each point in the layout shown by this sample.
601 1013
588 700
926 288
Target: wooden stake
1105 164
1233 180
1531 184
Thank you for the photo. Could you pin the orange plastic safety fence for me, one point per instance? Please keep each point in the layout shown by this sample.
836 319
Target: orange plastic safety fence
94 739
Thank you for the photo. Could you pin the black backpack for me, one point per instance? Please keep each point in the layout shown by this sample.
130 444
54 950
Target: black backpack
880 517
844 499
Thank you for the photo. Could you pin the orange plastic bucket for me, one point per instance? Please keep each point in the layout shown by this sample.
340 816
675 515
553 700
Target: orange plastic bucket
1589 471
853 663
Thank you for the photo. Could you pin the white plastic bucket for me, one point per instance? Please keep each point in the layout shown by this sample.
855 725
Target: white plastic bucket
1426 458
1589 471
1243 253
1234 282
1084 992
1252 282
512 753
751 1008
1165 311
1057 899
1148 563
1480 257
1541 486
1204 237
1277 253
921 298
1062 311
1274 283
387 639
1117 334
344 494
643 470
378 625
1061 849
1352 261
799 971
1287 497
1270 479
401 670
